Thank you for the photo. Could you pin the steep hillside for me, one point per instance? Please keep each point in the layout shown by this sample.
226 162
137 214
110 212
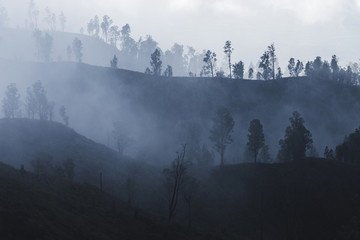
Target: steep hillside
32 207
22 140
158 113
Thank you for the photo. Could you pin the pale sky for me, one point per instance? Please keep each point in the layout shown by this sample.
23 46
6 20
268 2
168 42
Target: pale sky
300 29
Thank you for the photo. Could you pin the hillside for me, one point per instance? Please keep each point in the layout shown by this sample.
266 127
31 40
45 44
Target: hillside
32 207
158 113
307 199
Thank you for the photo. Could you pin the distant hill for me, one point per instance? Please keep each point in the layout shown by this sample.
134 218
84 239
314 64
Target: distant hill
18 44
158 113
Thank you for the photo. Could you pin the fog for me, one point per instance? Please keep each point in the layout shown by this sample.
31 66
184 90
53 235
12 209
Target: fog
305 29
181 119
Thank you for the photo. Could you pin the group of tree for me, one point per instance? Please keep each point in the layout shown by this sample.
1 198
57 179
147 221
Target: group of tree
37 105
51 19
44 45
156 65
296 142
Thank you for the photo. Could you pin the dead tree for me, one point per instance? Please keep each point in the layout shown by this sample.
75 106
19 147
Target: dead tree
174 177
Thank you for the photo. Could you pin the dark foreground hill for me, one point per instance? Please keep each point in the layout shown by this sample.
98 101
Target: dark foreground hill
24 140
306 199
36 207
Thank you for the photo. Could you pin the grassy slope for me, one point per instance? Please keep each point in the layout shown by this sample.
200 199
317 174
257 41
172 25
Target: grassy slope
307 199
34 207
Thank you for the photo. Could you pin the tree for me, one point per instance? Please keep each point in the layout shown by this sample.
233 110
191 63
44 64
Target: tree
210 61
93 27
329 153
33 14
291 67
168 71
220 134
228 51
114 34
62 20
279 73
298 68
265 65
156 62
335 68
238 70
68 52
272 55
309 69
174 179
105 25
11 101
37 104
64 116
296 141
43 44
114 62
256 139
251 73
50 19
77 49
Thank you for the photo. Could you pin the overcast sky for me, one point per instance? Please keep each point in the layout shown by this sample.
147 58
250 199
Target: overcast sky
301 29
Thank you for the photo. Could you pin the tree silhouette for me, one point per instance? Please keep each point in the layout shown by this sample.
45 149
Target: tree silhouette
105 26
298 68
238 70
11 101
174 179
114 62
256 139
335 68
156 62
210 61
265 65
251 73
77 49
220 134
291 67
296 141
168 71
272 56
43 44
37 104
228 51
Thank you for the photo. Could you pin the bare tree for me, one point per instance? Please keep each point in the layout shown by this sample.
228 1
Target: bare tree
174 177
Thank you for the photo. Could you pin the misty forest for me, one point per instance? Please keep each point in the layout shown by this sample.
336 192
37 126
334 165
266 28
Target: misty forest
104 135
